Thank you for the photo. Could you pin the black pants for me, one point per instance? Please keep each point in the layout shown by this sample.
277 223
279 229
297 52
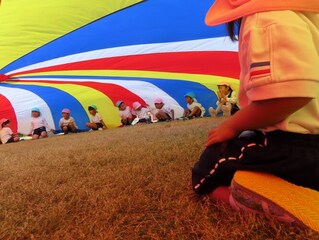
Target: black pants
291 156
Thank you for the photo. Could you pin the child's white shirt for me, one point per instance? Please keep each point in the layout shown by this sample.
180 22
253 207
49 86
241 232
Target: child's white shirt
96 119
166 109
143 113
194 104
232 99
5 134
37 122
66 122
126 113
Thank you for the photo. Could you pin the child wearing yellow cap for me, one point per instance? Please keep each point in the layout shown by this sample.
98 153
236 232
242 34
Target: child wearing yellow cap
226 102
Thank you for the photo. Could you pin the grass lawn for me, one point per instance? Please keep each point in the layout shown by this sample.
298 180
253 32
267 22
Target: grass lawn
126 183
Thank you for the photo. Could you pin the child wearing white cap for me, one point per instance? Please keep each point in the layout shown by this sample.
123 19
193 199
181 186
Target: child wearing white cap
164 112
125 113
227 101
67 123
6 134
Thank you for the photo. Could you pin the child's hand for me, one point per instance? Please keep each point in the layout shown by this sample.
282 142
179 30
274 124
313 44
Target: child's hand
222 133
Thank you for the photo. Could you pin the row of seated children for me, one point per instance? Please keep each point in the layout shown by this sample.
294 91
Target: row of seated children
38 126
67 123
226 103
143 113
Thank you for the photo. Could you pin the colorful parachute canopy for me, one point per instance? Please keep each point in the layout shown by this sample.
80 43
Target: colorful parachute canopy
71 54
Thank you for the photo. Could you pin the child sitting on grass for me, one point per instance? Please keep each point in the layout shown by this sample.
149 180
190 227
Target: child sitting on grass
39 125
164 112
194 109
6 134
67 123
96 122
125 113
143 114
227 99
277 128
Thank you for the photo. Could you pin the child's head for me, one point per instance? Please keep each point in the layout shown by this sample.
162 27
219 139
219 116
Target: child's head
232 11
224 87
158 102
137 106
92 109
4 123
35 112
121 105
66 113
189 97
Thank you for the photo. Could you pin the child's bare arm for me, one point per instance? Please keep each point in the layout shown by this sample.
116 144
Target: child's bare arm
257 115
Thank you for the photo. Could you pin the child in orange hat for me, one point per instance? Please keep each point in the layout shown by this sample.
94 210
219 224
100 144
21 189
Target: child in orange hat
277 128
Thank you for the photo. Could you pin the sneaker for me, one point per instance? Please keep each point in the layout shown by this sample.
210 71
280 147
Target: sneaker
270 195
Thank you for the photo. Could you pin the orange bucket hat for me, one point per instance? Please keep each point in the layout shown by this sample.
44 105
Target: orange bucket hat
223 11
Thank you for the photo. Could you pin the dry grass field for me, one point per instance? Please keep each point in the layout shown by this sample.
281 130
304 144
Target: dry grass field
126 183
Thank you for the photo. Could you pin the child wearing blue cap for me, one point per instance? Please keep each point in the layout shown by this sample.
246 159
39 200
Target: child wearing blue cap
125 113
39 125
194 108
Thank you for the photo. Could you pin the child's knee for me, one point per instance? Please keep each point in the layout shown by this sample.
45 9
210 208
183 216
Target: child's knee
35 136
204 179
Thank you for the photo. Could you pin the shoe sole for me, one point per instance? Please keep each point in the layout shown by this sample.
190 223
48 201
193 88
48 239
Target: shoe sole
276 197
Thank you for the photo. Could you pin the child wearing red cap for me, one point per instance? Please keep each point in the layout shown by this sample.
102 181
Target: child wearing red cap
67 123
164 112
143 114
6 134
277 128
